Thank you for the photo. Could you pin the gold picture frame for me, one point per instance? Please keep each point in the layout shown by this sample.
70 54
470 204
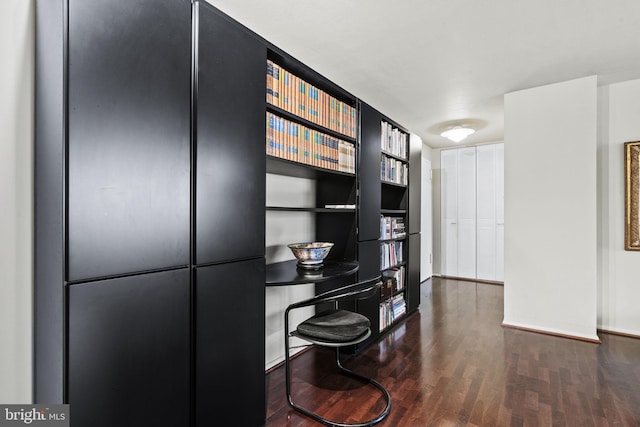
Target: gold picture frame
632 196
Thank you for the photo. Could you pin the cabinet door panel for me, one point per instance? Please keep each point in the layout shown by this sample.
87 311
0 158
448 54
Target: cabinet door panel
230 344
486 212
129 136
230 189
467 212
449 206
369 168
415 166
129 351
369 258
413 273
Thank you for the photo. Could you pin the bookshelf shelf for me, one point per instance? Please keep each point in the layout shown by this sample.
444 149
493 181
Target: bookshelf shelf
401 264
393 211
387 239
393 239
294 118
295 142
306 124
394 156
305 138
316 210
395 322
393 184
394 178
279 166
288 91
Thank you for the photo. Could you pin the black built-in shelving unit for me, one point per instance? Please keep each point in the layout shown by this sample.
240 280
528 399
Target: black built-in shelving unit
333 187
150 211
379 198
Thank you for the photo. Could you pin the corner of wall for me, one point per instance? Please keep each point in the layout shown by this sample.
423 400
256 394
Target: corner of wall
17 26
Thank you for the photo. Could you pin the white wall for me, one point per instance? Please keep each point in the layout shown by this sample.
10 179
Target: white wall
618 270
283 228
550 208
16 182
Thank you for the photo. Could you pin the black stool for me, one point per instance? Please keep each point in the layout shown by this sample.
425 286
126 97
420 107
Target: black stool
335 328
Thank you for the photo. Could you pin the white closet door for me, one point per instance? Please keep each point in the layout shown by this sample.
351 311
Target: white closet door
486 212
467 212
499 212
426 221
449 212
472 231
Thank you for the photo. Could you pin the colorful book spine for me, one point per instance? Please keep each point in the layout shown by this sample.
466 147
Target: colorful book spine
390 255
391 227
294 95
393 140
392 310
292 141
393 170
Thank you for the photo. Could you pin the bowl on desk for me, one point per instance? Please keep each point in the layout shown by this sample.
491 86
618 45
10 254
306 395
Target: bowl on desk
310 255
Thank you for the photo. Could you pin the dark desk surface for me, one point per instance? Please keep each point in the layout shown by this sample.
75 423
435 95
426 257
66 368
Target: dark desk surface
286 273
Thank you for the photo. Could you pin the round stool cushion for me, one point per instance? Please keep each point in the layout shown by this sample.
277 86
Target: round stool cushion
335 326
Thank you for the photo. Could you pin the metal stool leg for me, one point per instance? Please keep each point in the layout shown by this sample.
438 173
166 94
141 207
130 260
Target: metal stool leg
343 370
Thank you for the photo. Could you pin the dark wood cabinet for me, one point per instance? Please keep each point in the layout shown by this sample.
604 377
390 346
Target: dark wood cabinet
413 273
369 177
230 344
142 174
150 209
128 136
415 180
230 185
369 259
129 351
387 193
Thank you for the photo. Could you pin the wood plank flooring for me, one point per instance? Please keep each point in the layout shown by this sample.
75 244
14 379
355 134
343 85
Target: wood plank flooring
452 364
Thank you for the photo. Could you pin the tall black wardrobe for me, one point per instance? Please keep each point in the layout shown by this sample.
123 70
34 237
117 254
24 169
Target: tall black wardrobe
149 214
150 171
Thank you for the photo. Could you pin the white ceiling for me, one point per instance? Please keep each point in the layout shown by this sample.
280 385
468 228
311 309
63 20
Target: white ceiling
425 62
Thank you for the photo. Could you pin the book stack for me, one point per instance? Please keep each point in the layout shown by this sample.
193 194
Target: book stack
390 254
395 171
391 310
386 314
292 141
294 95
396 277
399 306
388 287
391 227
393 140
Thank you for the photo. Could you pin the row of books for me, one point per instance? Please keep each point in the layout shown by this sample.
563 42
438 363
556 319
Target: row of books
393 140
390 254
292 94
392 170
292 141
397 275
391 310
392 227
392 282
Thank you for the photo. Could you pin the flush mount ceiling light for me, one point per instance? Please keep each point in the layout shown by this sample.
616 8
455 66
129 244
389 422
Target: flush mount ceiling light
459 129
457 133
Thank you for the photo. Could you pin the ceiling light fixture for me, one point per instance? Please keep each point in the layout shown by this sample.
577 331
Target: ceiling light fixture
457 133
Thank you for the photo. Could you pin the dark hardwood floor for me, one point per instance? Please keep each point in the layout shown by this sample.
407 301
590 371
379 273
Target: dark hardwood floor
452 364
